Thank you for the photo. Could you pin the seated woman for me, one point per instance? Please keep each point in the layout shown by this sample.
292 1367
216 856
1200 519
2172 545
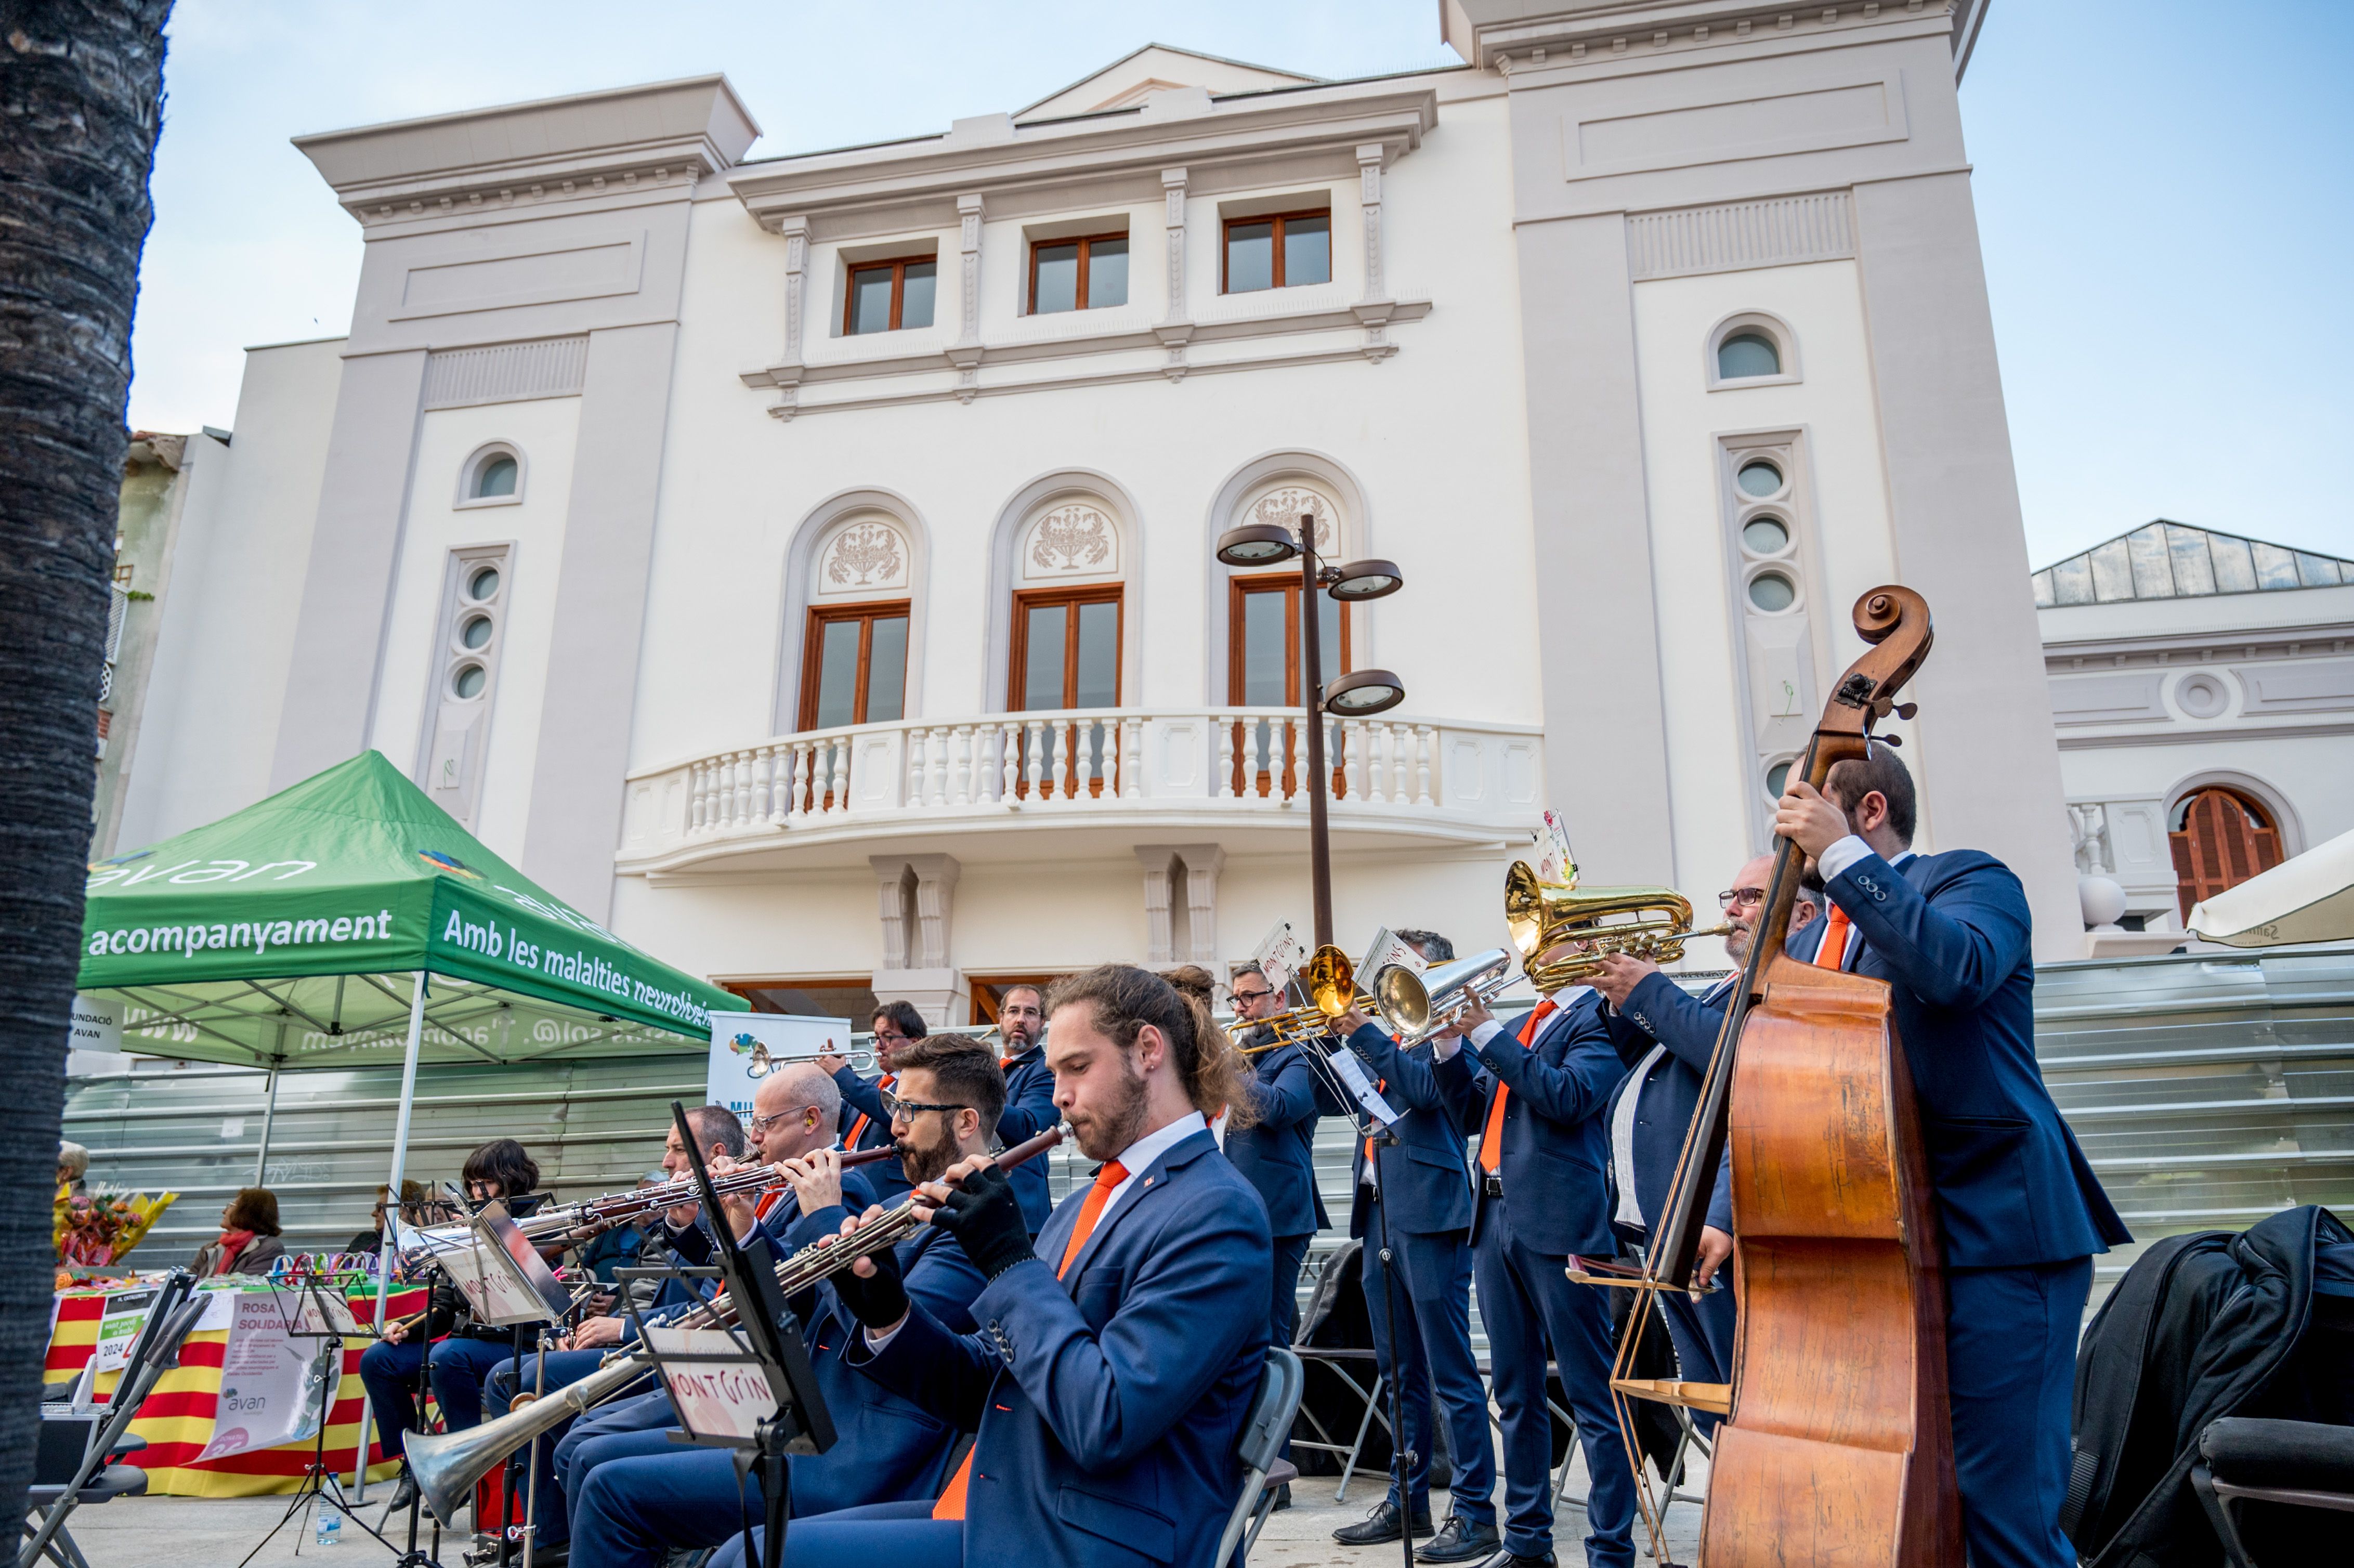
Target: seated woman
461 1351
249 1240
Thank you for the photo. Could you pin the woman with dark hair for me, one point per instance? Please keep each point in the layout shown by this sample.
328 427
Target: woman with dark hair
249 1240
460 1352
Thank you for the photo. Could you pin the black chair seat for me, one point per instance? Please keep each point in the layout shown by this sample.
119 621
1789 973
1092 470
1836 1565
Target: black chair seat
114 1481
1284 1473
2303 1456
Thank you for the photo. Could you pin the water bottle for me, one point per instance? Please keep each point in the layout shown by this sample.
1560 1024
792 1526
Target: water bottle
329 1531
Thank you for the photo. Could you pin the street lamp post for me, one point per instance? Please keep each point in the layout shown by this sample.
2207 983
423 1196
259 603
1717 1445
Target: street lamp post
1353 695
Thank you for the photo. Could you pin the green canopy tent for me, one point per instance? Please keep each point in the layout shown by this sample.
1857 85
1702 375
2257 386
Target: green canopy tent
349 918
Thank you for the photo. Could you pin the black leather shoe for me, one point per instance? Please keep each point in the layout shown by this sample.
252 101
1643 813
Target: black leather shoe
403 1493
1514 1560
1460 1541
1382 1526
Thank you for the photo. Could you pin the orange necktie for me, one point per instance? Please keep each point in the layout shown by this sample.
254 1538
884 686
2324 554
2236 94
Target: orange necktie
1491 1137
884 1082
1833 952
1091 1208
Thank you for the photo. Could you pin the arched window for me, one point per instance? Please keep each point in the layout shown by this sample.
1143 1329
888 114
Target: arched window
2220 838
1746 355
1752 349
855 656
492 476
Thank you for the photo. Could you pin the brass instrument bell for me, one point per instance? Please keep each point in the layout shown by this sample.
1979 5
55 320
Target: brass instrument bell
1420 1005
1330 981
1651 923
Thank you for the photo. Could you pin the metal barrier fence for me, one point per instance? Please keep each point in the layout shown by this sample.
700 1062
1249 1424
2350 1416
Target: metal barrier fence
2208 1090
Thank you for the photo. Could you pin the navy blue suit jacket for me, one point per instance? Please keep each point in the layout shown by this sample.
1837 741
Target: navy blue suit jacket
1424 1178
1277 1154
887 1448
1029 1111
1661 1011
1950 934
1107 1403
1556 1144
863 1098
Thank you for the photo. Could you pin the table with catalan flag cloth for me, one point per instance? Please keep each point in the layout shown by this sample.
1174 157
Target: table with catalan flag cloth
177 1418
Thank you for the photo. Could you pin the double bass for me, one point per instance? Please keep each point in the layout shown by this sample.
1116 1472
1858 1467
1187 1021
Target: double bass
1837 1443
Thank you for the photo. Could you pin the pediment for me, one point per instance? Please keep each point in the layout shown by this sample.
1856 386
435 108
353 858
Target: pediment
1156 68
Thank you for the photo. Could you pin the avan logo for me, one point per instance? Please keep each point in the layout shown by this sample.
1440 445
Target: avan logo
449 863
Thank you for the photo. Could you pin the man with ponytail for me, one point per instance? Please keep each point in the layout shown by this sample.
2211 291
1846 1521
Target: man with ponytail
1117 1358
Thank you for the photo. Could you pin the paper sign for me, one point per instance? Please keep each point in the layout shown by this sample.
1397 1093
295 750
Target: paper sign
96 1023
1279 955
120 1320
1353 1074
1386 951
727 1398
746 1046
272 1384
1555 861
220 1308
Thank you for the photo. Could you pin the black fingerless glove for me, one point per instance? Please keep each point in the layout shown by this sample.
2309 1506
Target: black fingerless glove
878 1301
985 1217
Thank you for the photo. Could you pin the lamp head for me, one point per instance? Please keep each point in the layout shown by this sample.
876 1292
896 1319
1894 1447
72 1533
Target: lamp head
1361 580
1363 692
1257 545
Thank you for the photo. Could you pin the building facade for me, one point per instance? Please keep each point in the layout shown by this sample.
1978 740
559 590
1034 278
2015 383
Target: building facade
805 563
2202 686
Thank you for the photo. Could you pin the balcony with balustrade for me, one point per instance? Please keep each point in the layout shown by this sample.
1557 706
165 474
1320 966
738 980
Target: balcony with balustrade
1072 784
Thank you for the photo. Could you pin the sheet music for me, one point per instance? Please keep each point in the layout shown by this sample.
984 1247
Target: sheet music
1353 1072
727 1398
1279 955
1555 861
1383 952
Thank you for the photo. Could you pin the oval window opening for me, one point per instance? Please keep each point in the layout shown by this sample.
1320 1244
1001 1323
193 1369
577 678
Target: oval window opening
1746 355
1777 778
1764 537
468 682
482 584
1759 479
1772 592
477 631
497 478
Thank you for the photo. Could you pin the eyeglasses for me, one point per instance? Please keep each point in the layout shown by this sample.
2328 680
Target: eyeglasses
895 1107
1747 898
1251 995
763 1123
889 1037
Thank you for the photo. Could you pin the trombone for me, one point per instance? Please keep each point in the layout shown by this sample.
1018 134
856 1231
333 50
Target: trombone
1651 923
1330 981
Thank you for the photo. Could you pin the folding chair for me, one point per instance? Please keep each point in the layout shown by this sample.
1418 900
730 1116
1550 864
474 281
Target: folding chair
1259 1450
2302 1464
93 1478
1332 1278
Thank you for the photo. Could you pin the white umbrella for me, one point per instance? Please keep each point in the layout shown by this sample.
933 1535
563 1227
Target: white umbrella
2307 899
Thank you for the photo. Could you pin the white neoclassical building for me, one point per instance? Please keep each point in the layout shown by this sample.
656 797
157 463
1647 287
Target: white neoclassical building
805 563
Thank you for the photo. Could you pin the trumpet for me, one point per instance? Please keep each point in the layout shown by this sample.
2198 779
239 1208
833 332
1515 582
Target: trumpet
1420 1005
1330 981
446 1465
765 1061
1651 923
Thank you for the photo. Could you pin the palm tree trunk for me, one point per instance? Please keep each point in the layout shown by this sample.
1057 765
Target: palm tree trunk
80 95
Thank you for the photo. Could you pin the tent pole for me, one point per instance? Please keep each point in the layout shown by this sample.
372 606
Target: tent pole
399 1159
269 1106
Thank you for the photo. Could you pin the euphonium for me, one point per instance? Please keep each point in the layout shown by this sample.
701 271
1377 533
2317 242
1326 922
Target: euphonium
1651 923
446 1465
1420 1005
1330 981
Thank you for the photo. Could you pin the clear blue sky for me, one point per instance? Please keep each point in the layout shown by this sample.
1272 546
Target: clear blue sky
2163 188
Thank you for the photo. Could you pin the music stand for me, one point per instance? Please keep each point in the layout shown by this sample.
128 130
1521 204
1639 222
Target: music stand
704 1369
327 1317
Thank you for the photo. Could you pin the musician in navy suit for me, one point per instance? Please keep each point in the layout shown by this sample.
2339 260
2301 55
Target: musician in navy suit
637 1494
2019 1211
865 1123
1666 1035
794 1111
1029 1093
1117 1359
1535 1090
1277 1153
1422 1185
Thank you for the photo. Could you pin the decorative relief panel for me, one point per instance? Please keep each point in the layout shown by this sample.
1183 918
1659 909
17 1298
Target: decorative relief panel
1072 539
1283 506
866 557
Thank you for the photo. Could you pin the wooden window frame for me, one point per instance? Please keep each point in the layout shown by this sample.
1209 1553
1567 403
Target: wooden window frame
1239 588
2262 845
1086 242
986 992
1018 651
813 645
1225 244
898 265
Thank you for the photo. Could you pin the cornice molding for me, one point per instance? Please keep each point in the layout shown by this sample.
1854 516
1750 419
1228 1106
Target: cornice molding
2092 656
994 157
1504 36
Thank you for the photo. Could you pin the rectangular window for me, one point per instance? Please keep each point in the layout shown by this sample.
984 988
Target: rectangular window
890 296
1078 274
1265 667
855 665
1287 250
1065 651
